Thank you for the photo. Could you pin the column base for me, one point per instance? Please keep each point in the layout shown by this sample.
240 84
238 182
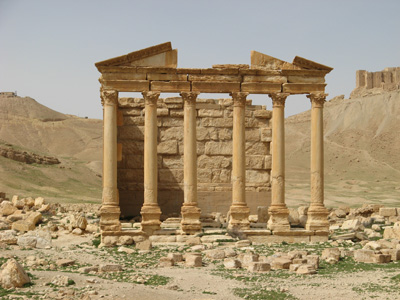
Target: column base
150 218
317 218
239 217
278 218
190 223
109 218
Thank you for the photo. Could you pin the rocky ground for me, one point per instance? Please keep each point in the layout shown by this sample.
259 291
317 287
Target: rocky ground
51 251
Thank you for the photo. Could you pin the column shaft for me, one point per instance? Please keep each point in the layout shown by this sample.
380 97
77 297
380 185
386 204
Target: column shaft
150 211
239 210
278 211
190 212
317 213
110 210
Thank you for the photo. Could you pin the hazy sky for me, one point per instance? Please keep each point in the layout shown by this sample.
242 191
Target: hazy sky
48 48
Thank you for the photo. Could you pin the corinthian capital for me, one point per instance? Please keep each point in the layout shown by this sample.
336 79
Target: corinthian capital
150 98
239 98
189 98
278 99
109 97
317 99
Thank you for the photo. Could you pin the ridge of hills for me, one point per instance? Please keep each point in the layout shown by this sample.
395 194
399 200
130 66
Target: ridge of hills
30 126
362 151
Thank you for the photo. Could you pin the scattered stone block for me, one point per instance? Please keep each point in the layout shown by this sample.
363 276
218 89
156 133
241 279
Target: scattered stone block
306 270
166 262
294 266
65 262
259 267
333 253
79 222
281 263
13 275
353 224
62 280
8 237
248 258
365 256
388 211
27 241
7 208
215 254
39 201
313 260
382 258
232 263
77 231
144 245
176 257
392 232
394 253
110 268
299 261
193 260
372 246
340 213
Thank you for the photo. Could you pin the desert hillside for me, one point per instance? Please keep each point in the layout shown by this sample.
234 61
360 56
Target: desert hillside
26 125
362 151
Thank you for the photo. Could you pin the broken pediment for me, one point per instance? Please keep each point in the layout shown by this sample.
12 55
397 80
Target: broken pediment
309 64
161 55
261 60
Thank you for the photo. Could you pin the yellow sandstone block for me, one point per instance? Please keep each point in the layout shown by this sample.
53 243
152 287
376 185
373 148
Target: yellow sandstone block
172 86
215 87
260 87
303 88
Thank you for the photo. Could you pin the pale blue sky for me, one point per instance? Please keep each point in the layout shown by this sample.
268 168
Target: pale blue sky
48 48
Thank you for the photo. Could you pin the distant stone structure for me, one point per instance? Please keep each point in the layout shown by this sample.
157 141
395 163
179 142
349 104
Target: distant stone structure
8 94
152 71
386 80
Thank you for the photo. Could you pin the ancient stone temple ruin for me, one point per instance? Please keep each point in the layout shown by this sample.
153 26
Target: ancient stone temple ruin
187 155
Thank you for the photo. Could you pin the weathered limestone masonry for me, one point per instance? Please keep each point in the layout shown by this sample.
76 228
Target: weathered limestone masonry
153 71
388 79
204 174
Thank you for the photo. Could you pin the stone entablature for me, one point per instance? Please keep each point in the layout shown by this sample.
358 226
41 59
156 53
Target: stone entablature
219 79
153 71
214 122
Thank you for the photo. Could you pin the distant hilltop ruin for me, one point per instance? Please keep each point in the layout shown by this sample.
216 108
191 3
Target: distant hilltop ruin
368 83
8 94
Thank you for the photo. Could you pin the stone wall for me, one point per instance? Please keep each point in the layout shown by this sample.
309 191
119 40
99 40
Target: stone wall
214 149
388 79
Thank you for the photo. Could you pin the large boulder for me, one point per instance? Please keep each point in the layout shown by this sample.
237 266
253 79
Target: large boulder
28 223
12 275
7 208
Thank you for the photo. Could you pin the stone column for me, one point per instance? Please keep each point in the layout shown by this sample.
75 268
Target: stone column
110 211
278 220
190 212
239 210
150 210
317 212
